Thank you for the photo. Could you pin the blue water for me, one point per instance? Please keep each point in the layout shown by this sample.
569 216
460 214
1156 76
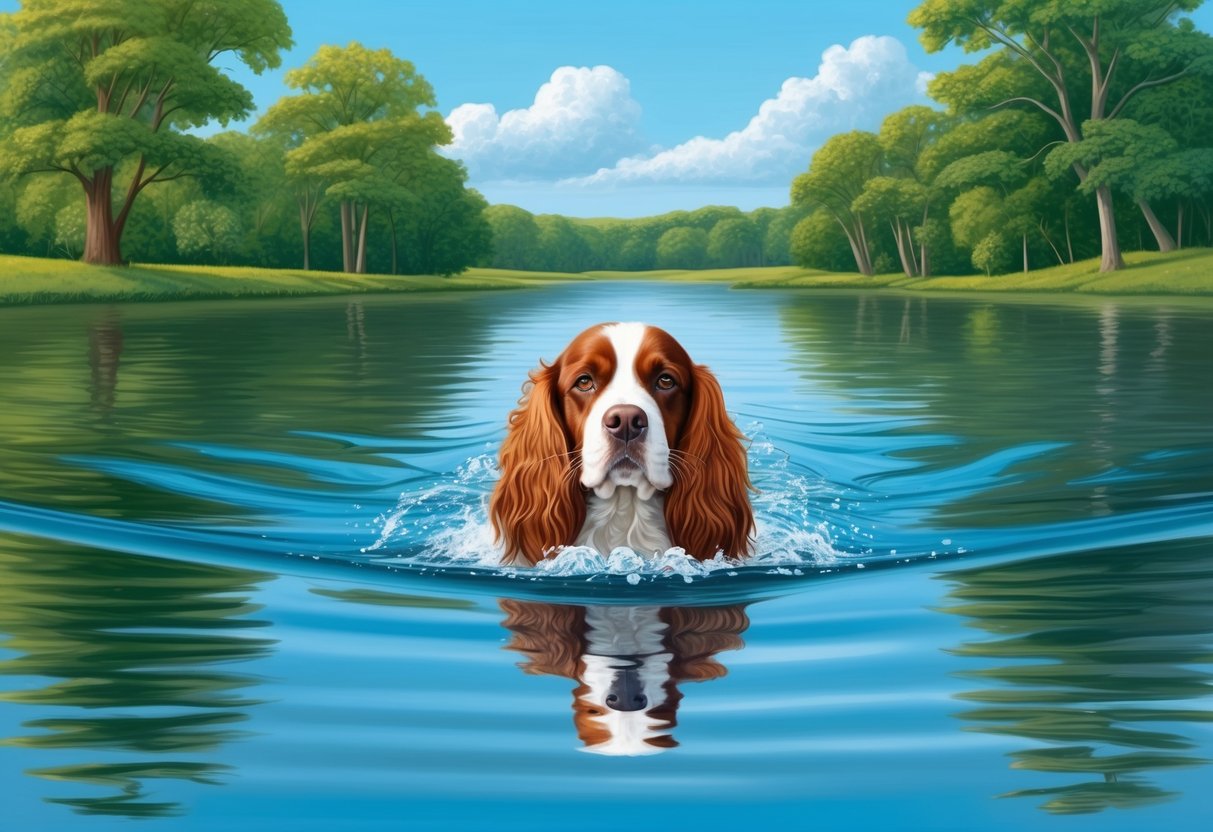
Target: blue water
246 576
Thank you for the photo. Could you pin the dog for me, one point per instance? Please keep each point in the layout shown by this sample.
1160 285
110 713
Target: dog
627 661
622 441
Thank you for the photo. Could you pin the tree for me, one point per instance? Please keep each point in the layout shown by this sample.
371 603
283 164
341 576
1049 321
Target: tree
515 236
900 202
342 90
1140 159
990 253
836 177
203 227
440 224
734 242
682 248
259 194
1117 48
1023 199
102 91
70 228
817 242
561 248
907 137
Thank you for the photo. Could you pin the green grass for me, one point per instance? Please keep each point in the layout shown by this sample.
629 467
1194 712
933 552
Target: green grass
33 280
1188 272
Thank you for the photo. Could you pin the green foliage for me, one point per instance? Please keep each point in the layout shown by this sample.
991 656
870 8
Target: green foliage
734 242
838 172
560 247
515 237
682 248
202 227
70 228
975 214
817 242
992 254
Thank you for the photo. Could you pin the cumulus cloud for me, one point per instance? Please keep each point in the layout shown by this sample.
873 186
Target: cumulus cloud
582 119
854 88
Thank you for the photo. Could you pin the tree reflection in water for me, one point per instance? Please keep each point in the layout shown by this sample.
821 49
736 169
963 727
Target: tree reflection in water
1091 650
137 649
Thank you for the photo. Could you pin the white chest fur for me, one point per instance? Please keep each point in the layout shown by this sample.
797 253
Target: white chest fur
623 519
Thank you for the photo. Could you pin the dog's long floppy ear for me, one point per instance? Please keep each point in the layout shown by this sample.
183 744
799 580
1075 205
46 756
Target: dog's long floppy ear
707 509
537 504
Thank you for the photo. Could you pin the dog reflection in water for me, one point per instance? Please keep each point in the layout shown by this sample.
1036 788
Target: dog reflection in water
627 661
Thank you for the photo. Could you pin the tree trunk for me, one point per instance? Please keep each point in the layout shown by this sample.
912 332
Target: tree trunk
1025 252
866 264
360 266
1049 240
347 236
305 229
391 219
1179 231
1110 259
910 249
857 251
102 245
901 247
1161 235
1069 243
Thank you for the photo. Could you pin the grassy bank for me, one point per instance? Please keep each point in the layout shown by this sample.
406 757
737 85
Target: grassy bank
1188 272
33 280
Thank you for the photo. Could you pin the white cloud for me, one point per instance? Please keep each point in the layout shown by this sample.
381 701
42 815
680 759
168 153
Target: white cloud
854 88
581 120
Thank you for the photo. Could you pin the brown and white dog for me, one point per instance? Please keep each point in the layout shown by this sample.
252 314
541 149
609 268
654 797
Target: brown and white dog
627 661
622 441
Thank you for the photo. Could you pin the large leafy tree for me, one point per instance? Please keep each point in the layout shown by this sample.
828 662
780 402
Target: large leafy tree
329 124
837 174
1075 62
102 91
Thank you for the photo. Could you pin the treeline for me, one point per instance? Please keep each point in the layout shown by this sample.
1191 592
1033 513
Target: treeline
97 160
711 237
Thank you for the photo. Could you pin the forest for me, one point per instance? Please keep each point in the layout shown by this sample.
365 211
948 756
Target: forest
1080 131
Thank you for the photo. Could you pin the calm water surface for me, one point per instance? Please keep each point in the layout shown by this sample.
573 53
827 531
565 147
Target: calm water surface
245 575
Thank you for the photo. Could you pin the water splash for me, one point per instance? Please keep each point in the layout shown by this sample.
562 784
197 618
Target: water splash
446 525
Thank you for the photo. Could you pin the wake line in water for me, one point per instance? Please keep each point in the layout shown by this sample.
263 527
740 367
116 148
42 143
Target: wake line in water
580 576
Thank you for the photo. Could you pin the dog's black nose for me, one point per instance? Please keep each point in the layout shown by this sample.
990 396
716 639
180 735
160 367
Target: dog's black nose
626 693
625 422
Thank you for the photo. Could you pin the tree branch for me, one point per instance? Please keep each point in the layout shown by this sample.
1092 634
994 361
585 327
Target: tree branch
1144 85
1045 107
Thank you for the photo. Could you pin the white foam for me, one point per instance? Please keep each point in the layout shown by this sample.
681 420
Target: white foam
446 525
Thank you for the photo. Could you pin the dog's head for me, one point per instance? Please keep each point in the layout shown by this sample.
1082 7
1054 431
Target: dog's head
623 405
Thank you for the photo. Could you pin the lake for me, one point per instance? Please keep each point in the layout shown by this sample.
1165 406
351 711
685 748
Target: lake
245 577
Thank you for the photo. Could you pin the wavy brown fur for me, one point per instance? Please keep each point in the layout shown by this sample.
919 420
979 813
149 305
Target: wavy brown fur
707 510
537 504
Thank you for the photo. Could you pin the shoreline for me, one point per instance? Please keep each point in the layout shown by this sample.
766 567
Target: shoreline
32 281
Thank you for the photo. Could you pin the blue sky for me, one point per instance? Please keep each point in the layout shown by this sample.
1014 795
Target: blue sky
628 108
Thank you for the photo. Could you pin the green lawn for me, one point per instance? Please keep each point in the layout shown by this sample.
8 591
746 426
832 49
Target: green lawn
32 280
1188 272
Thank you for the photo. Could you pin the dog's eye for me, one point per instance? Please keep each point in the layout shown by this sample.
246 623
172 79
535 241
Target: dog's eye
665 381
584 383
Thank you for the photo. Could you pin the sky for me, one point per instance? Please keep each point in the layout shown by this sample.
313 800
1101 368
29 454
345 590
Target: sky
628 108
